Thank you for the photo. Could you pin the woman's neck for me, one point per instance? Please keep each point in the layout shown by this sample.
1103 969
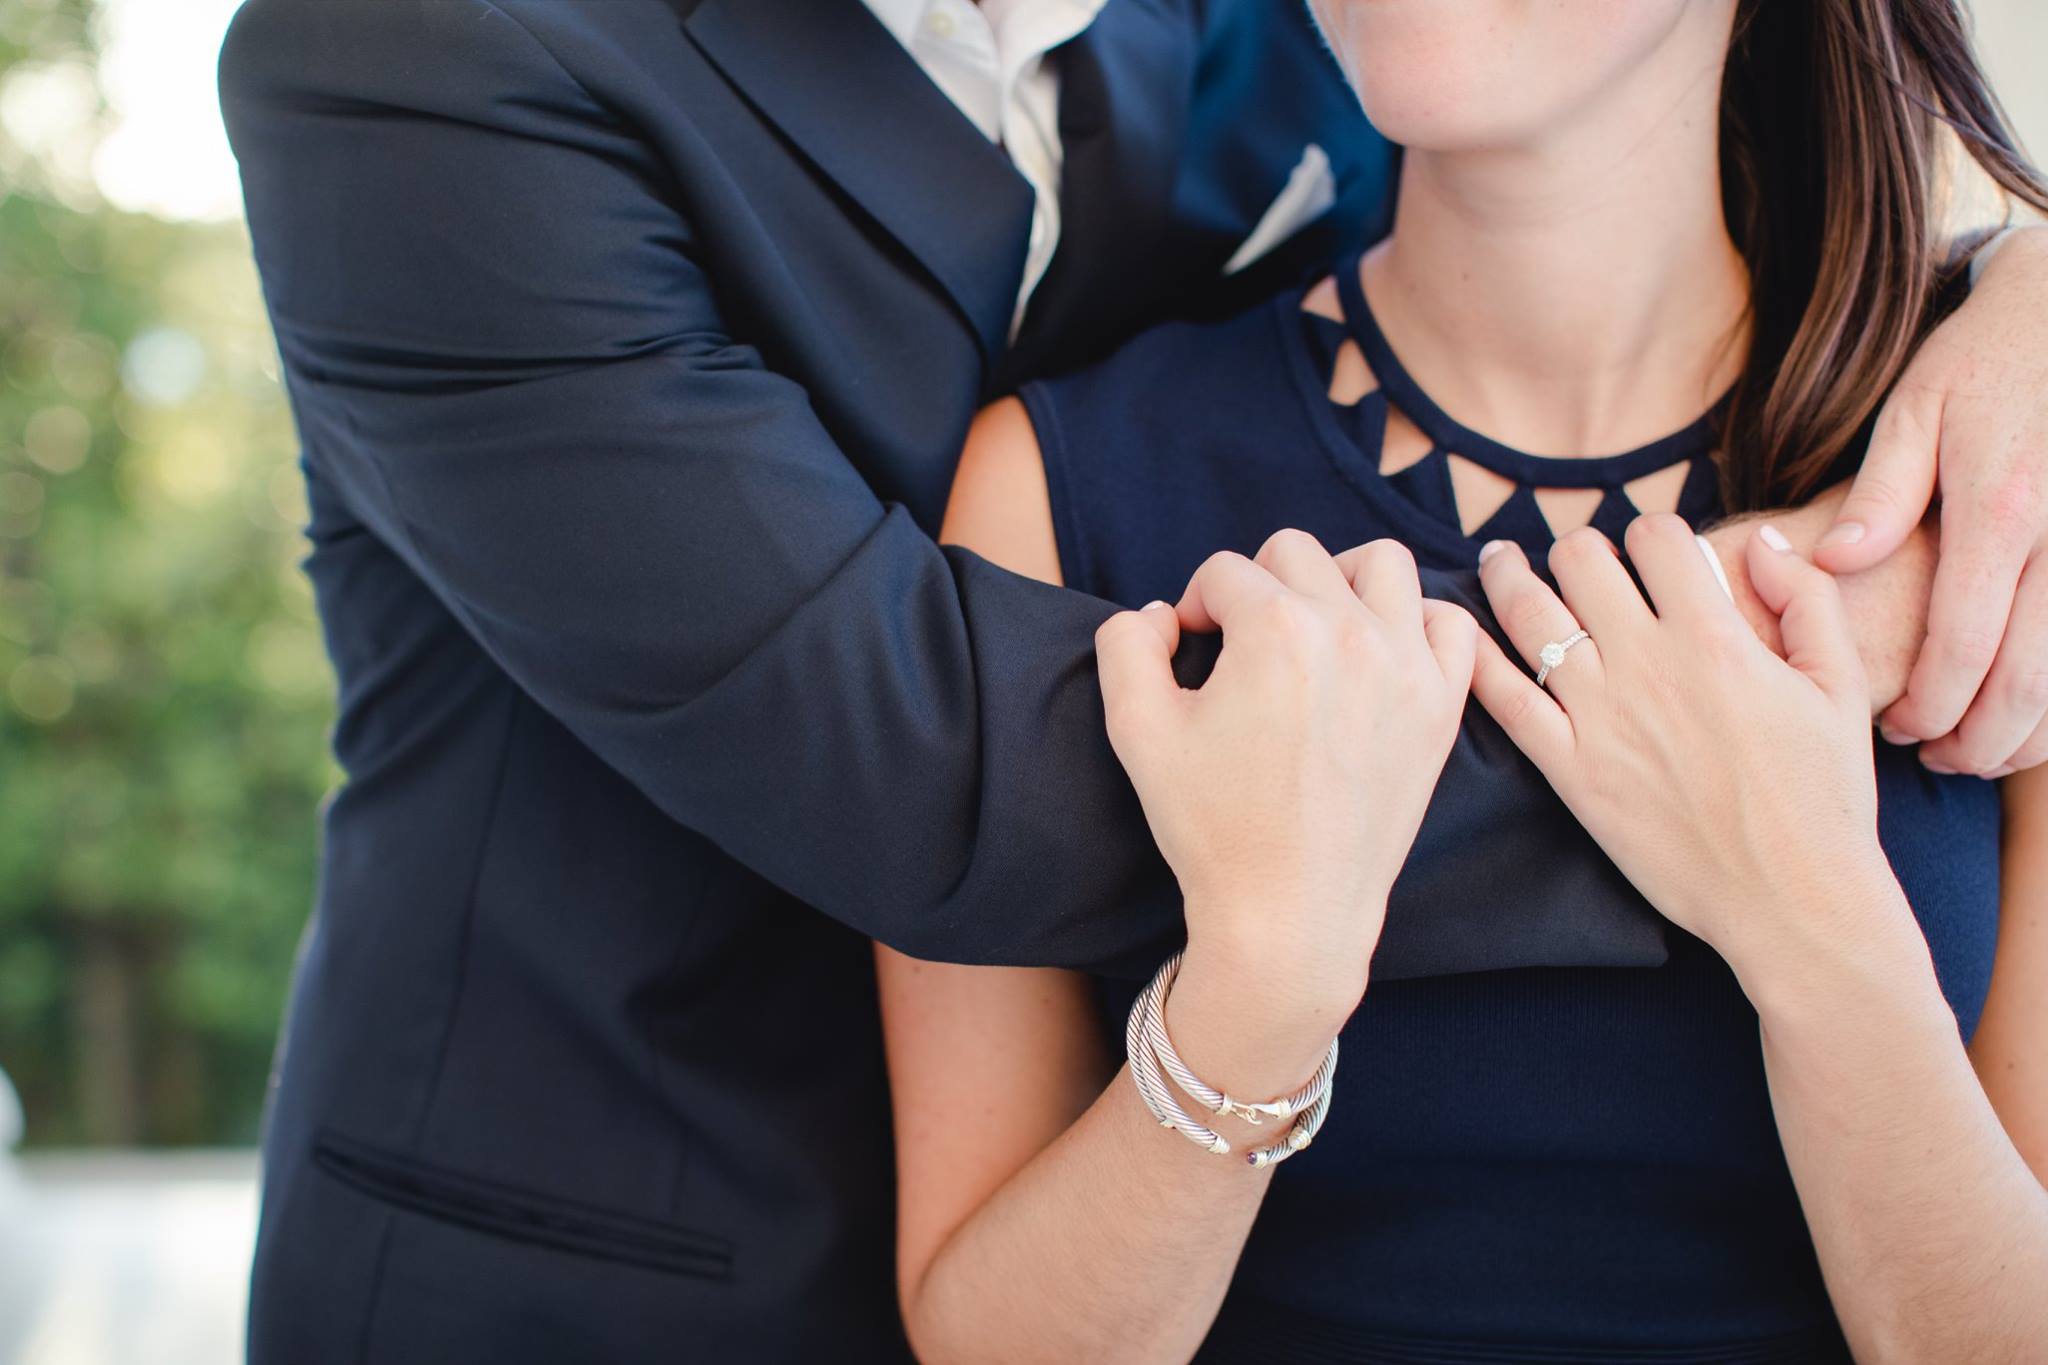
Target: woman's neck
1579 296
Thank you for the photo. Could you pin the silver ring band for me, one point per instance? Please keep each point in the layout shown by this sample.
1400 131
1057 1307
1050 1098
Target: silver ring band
1552 654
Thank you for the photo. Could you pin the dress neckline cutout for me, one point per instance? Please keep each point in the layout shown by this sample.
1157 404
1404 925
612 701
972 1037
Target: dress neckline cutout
1446 434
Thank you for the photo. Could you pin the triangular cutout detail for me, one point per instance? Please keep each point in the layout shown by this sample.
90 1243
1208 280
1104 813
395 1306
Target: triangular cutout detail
1567 509
1478 492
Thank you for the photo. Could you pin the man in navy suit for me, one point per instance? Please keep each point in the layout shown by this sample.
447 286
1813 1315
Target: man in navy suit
632 343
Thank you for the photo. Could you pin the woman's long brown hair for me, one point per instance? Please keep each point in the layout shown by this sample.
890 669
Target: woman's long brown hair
1835 118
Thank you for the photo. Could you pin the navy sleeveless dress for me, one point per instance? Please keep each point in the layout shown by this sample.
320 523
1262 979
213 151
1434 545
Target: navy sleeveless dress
1550 1164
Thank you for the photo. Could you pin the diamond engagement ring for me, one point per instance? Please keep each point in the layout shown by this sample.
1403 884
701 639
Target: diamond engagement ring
1552 654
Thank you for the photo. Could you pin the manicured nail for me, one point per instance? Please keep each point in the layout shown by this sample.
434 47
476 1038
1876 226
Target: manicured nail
1775 538
1844 533
1713 558
1155 606
1896 737
1490 549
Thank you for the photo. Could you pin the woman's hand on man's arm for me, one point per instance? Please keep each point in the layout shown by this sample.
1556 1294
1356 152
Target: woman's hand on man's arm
1066 1230
1886 603
1329 714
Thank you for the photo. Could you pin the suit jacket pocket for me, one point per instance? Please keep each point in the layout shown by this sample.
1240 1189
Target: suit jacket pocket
519 1214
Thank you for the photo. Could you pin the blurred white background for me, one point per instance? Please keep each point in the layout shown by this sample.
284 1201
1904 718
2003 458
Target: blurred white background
168 154
2012 36
126 1258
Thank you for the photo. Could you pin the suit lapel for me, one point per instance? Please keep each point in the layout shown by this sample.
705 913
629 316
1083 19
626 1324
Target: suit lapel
840 87
1125 89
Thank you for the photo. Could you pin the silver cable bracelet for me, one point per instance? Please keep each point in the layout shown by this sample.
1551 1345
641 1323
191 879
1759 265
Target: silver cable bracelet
1152 1057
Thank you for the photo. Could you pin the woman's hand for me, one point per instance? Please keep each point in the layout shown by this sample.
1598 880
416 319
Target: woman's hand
1286 791
1733 788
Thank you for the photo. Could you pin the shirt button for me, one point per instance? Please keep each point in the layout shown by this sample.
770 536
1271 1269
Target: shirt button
939 24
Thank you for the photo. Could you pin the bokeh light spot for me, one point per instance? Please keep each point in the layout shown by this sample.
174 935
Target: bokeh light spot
42 689
57 438
164 366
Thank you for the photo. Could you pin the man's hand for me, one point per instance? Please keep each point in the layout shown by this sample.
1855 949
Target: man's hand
1971 415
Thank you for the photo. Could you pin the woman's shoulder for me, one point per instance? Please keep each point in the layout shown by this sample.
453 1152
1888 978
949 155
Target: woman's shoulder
1000 507
1177 389
1193 435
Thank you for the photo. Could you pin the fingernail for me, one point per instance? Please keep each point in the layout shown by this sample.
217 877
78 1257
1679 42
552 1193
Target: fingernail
1490 549
1713 558
1896 737
1936 766
1844 533
1775 538
1996 773
1155 606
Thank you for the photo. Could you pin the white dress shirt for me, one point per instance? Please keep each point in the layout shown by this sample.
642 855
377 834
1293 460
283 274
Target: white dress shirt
989 59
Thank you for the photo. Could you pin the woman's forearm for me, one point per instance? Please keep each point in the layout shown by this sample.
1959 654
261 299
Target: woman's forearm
1736 791
1116 1243
1285 794
1932 1231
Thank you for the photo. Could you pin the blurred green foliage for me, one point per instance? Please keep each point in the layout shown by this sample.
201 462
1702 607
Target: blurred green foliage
164 697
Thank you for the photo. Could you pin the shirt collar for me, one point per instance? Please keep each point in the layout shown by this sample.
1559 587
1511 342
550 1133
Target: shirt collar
899 17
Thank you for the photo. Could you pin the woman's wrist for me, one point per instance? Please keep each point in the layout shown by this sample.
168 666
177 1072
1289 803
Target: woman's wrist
1874 1001
1279 961
1249 1024
1820 948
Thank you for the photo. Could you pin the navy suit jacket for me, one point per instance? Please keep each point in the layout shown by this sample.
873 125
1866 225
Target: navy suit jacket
632 344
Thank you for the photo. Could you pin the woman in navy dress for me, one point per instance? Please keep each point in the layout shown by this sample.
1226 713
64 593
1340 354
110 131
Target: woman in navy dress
1609 238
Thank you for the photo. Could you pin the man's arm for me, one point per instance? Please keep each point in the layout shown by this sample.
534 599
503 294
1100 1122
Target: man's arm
505 354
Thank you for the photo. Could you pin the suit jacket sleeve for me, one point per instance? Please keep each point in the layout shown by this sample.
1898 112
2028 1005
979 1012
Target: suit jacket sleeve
505 352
